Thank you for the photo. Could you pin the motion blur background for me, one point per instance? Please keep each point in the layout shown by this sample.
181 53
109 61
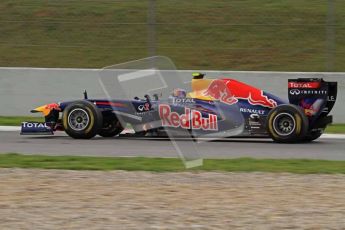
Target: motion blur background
272 35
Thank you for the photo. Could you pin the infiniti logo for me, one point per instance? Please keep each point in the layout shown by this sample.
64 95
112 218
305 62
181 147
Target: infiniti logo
295 91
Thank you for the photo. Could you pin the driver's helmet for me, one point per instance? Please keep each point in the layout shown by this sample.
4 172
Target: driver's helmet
179 93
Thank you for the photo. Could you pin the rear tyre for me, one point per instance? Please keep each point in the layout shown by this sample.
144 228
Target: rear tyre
111 127
311 136
82 120
287 124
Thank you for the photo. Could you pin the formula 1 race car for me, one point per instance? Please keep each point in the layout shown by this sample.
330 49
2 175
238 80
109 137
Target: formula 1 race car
213 106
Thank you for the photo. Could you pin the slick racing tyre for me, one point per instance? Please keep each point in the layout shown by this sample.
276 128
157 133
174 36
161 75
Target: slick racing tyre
312 136
287 124
82 120
111 126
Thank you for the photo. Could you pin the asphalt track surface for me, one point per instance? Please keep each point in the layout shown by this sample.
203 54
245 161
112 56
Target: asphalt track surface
60 144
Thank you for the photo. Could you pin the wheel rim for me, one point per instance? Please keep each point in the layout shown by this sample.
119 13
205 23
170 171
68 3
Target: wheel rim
284 124
78 119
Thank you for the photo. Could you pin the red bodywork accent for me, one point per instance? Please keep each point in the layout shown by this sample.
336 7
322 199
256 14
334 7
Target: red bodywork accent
53 106
304 85
114 104
229 91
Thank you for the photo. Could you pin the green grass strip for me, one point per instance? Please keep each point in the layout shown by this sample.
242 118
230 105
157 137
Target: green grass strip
336 128
11 160
274 35
16 121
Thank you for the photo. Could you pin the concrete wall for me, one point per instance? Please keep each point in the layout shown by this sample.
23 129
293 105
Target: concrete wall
22 89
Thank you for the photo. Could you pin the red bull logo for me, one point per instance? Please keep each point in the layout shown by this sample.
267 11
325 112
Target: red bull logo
53 106
229 91
46 109
191 119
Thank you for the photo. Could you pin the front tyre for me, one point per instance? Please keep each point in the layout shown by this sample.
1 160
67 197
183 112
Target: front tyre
287 124
111 127
82 120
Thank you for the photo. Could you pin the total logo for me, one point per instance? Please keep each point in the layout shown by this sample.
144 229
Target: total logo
177 100
304 85
191 119
34 125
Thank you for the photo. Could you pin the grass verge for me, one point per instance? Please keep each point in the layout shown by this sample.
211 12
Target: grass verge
240 35
336 128
11 160
16 121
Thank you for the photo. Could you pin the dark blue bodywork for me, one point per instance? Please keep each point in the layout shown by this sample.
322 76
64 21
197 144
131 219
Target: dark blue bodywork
229 117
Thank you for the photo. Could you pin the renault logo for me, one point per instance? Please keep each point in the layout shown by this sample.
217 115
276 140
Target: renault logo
295 91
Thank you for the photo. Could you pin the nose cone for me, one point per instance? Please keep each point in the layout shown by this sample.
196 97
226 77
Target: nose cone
41 109
46 109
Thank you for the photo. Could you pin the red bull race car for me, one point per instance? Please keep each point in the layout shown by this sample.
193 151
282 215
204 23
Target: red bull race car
212 107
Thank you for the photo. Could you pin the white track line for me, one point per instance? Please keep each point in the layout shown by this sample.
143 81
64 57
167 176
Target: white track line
333 136
9 128
17 128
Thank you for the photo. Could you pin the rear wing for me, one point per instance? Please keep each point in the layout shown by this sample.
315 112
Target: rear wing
314 95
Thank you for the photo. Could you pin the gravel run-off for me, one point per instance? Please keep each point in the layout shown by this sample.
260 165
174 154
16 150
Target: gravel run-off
66 199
